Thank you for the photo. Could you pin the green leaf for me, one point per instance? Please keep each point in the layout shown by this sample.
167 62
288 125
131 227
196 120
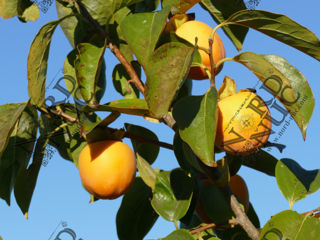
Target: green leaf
172 194
120 79
28 11
294 181
147 173
220 211
261 161
24 9
147 6
10 113
142 31
220 11
71 82
166 71
196 117
281 28
303 109
180 234
38 62
18 150
27 176
75 28
147 151
87 67
179 6
291 225
135 216
285 82
128 106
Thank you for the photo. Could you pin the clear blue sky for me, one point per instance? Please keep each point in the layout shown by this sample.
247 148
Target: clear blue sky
59 195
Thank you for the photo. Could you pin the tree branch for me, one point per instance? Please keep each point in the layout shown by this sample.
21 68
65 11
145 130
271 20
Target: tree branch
242 219
212 64
231 222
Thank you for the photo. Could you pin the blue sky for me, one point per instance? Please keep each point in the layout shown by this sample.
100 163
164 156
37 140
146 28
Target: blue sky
59 195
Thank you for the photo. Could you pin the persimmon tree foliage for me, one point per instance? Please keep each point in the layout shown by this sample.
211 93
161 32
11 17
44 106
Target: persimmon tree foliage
141 34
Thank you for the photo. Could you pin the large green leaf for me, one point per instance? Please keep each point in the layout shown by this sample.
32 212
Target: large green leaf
128 106
303 109
71 82
38 62
285 82
18 150
179 6
180 234
166 70
8 118
135 216
279 27
87 67
172 194
291 225
261 161
26 10
146 150
142 31
196 117
215 204
146 172
27 176
220 11
294 181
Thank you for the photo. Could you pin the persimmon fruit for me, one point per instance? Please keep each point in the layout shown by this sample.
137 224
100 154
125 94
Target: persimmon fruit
238 187
107 168
244 123
192 29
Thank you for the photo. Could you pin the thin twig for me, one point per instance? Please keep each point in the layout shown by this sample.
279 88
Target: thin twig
242 219
311 212
212 64
212 225
64 115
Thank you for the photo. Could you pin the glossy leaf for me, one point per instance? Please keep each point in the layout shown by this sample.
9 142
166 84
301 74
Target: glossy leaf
18 150
147 6
27 176
281 28
143 39
128 106
291 225
88 68
71 82
146 150
120 79
172 194
284 82
180 234
135 216
146 172
261 161
303 109
38 62
196 117
220 11
294 181
215 204
179 6
166 70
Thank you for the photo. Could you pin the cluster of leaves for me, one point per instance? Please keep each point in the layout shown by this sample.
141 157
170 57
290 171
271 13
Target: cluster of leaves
133 29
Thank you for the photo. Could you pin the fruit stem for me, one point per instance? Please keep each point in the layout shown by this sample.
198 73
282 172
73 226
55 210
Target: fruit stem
176 224
222 61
